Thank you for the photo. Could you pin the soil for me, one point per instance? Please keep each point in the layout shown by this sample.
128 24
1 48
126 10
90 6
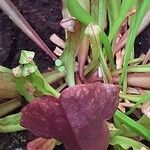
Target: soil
44 16
142 43
15 141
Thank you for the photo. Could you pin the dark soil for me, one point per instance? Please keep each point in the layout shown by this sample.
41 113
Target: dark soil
44 16
142 43
15 141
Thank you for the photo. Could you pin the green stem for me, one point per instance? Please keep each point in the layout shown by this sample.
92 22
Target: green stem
138 68
68 60
132 98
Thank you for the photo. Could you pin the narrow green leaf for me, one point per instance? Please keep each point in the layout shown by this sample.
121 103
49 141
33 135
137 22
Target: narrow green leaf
102 14
131 124
143 99
92 32
124 9
141 11
137 68
94 10
113 11
68 57
107 47
132 98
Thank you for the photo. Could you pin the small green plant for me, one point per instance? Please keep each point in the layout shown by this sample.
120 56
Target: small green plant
90 54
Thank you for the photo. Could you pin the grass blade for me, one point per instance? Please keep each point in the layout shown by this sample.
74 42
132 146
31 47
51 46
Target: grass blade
143 8
133 125
143 99
113 11
124 9
102 17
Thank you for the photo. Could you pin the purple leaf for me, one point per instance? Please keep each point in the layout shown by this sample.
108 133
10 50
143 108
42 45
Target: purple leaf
77 118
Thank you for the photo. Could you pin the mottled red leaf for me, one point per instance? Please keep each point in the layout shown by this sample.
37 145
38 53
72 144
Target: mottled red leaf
77 118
